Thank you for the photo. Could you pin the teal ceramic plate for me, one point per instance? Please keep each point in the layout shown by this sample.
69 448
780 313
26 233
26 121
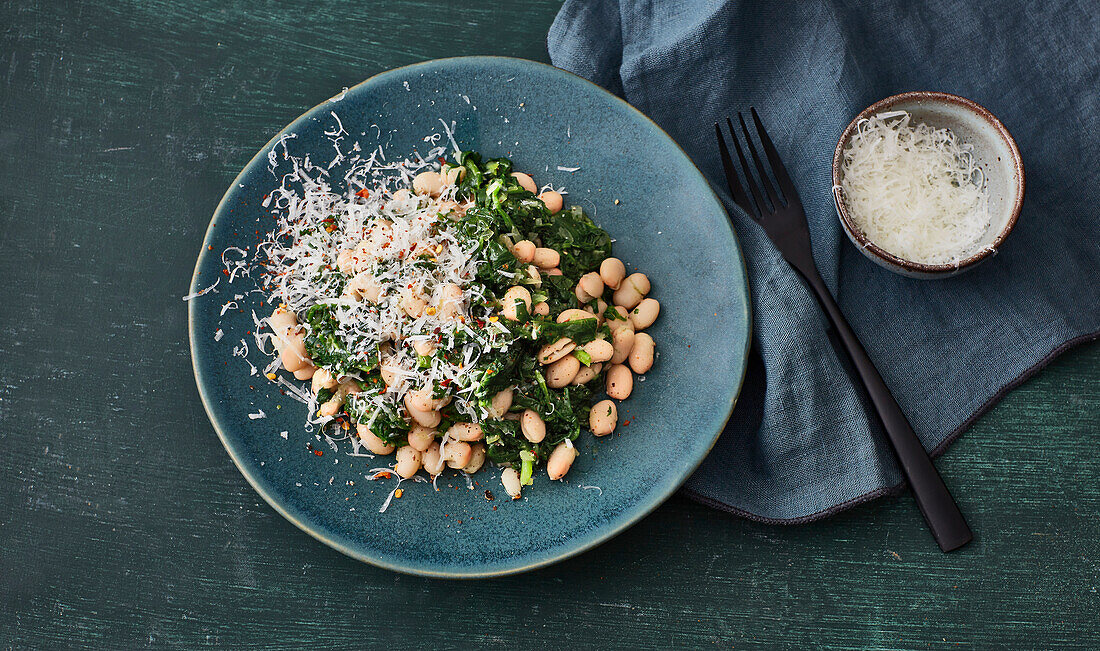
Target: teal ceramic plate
636 182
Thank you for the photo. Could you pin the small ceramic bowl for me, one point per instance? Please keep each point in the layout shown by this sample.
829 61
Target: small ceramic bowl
994 151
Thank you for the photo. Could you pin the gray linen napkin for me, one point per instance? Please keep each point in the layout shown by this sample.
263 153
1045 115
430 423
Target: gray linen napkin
801 444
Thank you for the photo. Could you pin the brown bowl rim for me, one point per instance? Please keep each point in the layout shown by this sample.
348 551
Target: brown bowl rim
974 107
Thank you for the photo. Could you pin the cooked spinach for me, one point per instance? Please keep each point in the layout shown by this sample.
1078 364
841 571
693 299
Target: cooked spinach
503 213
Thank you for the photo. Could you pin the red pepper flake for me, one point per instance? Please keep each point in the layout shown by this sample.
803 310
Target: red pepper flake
626 423
364 193
225 272
209 248
318 452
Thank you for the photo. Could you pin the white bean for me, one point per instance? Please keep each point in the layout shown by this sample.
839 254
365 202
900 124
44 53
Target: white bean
432 460
305 373
457 454
363 287
600 350
400 196
532 426
345 261
551 353
534 275
502 402
408 461
641 355
526 182
640 282
553 201
450 301
624 321
619 382
589 287
423 347
429 419
632 291
510 479
420 399
524 250
623 342
292 348
336 402
645 313
612 272
421 437
562 372
586 374
546 258
513 296
573 314
430 183
371 441
561 459
413 304
602 417
322 379
466 432
477 458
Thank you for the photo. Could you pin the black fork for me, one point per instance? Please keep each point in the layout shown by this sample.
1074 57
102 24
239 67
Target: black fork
781 216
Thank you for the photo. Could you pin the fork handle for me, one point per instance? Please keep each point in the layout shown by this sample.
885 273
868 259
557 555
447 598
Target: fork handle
939 509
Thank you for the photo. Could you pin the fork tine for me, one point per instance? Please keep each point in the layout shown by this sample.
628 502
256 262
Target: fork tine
759 164
747 170
785 183
739 196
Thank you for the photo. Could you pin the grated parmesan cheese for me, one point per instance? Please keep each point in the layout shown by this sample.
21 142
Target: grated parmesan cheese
382 234
914 190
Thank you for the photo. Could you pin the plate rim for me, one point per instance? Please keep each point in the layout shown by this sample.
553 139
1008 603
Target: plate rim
601 535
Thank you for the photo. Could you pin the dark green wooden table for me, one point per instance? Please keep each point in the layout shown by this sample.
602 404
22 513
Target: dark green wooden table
124 524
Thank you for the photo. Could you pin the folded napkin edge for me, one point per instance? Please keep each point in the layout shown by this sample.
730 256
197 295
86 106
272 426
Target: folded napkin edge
900 487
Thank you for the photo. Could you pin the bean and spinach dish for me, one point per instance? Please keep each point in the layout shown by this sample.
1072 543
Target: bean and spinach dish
464 316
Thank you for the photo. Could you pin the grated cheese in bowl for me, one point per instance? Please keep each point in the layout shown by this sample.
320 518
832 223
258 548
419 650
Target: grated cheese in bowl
914 190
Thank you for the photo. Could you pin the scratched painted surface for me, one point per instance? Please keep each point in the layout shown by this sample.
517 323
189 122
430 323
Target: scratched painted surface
124 524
